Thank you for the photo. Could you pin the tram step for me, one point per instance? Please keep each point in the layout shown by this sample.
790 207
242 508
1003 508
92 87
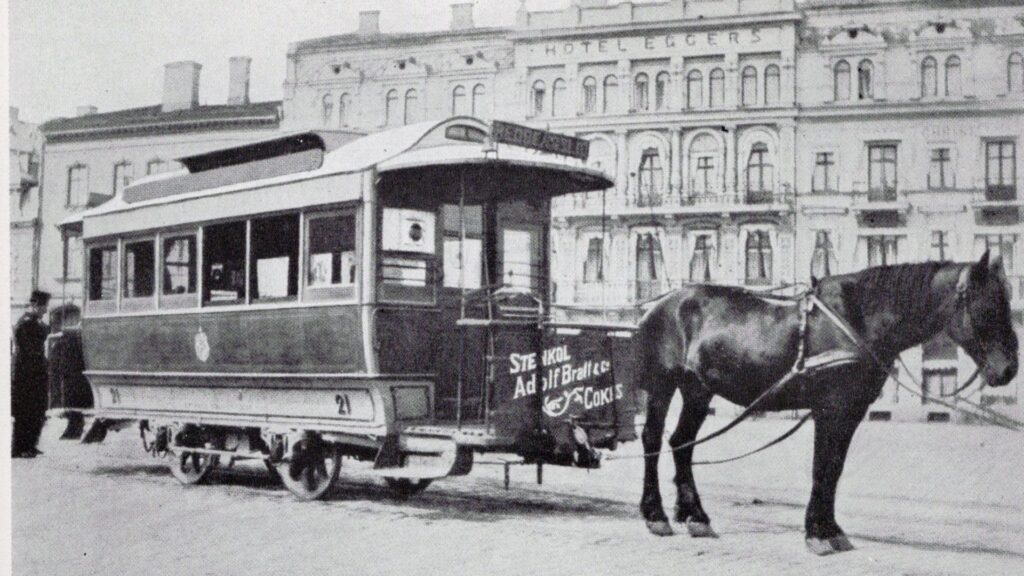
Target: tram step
422 457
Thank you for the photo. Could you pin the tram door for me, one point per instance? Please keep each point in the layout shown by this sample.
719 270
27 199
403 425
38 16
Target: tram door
486 244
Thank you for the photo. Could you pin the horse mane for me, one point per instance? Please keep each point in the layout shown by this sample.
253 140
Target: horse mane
903 289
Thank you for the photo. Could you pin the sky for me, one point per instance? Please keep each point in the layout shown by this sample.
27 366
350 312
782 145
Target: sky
110 53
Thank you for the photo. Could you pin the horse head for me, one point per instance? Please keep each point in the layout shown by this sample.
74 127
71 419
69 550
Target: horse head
981 323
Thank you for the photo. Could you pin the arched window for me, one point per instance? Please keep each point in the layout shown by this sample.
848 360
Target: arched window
705 165
479 107
661 84
602 156
748 89
929 77
458 100
702 258
391 108
589 95
953 76
650 267
771 85
538 91
649 175
641 100
345 109
1015 73
593 267
412 108
865 87
759 174
611 92
327 108
716 88
841 81
558 97
694 89
759 257
823 260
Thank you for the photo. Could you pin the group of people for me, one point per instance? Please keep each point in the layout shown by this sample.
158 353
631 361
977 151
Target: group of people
29 378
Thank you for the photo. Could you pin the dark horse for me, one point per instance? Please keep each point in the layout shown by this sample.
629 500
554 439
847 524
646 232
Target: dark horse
706 340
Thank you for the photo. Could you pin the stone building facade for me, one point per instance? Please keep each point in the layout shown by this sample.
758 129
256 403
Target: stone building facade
26 147
91 158
753 142
908 149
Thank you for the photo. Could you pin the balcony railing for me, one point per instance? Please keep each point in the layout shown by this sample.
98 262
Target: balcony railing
1005 193
881 195
676 197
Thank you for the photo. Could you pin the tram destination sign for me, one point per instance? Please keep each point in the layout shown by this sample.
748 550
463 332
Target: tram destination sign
526 137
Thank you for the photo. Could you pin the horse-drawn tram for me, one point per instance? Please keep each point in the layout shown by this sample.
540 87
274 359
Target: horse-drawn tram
326 295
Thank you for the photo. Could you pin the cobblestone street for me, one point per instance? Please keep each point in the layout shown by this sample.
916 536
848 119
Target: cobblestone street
916 499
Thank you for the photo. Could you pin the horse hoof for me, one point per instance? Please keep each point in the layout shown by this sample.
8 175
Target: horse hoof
840 543
700 529
660 527
826 546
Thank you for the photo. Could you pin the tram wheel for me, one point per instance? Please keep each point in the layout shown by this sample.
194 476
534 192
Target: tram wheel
192 467
311 469
405 487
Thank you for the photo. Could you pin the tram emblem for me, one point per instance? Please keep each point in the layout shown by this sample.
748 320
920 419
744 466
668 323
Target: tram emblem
202 346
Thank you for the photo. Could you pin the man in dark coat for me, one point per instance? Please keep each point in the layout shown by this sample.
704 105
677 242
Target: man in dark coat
29 378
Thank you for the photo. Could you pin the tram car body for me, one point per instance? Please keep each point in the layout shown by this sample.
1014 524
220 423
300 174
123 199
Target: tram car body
329 294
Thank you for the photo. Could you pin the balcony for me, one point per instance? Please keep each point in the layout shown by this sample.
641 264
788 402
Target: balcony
880 208
997 206
675 200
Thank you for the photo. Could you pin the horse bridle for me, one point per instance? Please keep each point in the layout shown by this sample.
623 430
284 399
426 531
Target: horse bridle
967 324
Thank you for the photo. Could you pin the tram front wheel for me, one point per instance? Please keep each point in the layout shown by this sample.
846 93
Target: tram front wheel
311 470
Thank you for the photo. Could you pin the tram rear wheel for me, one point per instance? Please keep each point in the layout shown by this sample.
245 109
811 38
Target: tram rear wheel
192 467
405 487
311 470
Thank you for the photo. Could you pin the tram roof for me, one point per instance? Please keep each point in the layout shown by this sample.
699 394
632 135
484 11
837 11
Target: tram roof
269 171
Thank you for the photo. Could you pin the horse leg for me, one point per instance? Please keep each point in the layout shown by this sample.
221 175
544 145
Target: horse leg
833 431
658 399
688 507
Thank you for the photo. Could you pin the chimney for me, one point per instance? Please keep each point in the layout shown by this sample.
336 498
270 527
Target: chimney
369 22
181 86
238 80
462 16
87 110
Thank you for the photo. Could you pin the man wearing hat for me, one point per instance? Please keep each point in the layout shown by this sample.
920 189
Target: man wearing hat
29 381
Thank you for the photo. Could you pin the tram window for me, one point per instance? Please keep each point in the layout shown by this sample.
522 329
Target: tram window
139 269
331 251
275 257
103 273
179 265
224 263
463 268
521 258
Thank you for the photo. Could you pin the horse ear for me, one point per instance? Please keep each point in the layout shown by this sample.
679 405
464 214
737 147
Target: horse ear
979 270
995 266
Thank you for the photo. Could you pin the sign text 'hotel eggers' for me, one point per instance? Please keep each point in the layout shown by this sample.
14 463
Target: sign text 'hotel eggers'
508 133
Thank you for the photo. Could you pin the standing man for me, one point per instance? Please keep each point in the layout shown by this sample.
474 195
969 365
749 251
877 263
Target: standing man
29 381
